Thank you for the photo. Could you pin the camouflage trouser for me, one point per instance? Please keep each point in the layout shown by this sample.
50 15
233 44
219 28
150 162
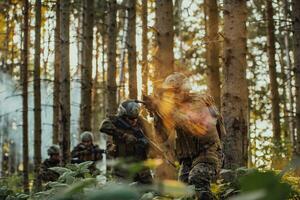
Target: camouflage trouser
200 175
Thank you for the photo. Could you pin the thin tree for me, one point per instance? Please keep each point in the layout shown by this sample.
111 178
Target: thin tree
65 79
296 29
145 43
37 96
213 65
86 67
111 58
235 92
289 73
131 46
24 78
56 110
164 38
272 73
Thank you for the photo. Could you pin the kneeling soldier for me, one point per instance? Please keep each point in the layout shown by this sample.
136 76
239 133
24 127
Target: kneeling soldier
129 140
87 151
53 161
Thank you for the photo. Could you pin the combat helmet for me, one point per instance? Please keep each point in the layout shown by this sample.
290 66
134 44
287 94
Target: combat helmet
86 136
176 81
53 150
129 108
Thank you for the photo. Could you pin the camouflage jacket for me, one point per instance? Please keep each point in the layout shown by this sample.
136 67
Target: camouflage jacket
82 153
116 127
198 129
45 173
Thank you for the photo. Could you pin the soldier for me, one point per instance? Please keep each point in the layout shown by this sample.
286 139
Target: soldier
87 151
53 161
127 129
197 126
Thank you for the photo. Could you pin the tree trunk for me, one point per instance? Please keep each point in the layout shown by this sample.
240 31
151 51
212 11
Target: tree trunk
65 80
87 67
37 97
145 43
111 62
296 28
56 94
164 56
272 73
24 78
213 73
131 46
289 74
235 91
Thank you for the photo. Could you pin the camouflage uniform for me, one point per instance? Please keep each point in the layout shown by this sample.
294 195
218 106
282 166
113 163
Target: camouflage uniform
198 151
83 152
128 141
45 173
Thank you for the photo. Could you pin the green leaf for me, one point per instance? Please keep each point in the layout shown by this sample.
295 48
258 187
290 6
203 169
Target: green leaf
115 192
60 170
259 194
77 187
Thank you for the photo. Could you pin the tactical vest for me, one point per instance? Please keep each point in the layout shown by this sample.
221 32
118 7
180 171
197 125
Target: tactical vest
134 151
188 145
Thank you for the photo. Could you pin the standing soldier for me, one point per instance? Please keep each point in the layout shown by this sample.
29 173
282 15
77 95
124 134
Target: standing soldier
87 151
129 141
53 161
197 126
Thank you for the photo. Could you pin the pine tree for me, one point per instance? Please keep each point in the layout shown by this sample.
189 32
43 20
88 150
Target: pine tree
272 73
213 72
296 28
65 80
235 94
56 91
24 78
86 67
111 62
145 43
131 46
164 38
37 97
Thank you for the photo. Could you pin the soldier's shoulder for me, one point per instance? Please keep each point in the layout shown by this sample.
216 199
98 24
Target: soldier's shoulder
45 161
202 96
79 146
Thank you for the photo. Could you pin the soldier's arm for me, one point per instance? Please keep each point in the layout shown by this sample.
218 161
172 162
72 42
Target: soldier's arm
109 128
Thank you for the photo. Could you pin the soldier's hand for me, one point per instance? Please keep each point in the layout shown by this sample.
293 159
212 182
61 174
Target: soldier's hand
129 139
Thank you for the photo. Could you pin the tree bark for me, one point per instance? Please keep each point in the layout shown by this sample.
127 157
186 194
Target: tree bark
65 80
37 97
213 66
56 94
131 46
272 73
164 33
145 43
235 91
111 62
296 28
87 67
24 78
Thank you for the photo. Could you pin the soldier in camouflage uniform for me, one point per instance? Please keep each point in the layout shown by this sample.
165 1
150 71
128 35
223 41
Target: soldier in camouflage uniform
53 161
87 151
127 129
197 127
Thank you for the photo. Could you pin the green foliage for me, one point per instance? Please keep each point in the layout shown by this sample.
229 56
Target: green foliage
269 183
8 194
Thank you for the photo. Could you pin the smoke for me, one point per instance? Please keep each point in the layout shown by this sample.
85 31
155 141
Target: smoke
11 114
